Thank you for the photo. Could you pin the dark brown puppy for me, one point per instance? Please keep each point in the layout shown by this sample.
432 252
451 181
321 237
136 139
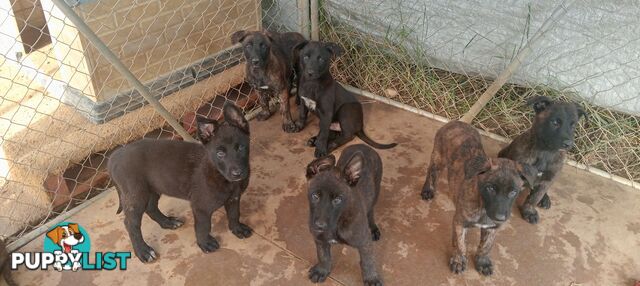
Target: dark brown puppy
339 111
483 189
341 200
269 69
5 264
209 175
544 147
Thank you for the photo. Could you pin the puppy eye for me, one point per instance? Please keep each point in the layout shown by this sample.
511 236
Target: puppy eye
241 147
337 201
263 46
305 58
315 197
220 154
512 194
490 189
556 122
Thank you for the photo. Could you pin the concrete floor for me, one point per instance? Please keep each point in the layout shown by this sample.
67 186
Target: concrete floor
590 236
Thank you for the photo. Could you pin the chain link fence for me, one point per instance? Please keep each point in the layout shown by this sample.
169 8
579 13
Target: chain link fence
440 57
64 106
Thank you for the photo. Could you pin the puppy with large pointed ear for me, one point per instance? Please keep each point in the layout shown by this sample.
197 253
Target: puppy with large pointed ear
342 196
206 128
233 116
335 49
321 164
352 171
238 36
539 103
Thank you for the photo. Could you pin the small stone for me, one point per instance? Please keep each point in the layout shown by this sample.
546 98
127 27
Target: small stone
391 92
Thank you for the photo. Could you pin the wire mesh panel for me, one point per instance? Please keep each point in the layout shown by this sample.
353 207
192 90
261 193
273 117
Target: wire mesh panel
64 106
441 56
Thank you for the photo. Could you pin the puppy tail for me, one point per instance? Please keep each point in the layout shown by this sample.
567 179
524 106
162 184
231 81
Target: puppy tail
374 144
119 201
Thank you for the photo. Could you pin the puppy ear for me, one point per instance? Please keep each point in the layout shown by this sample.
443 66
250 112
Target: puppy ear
353 169
335 49
74 227
238 36
528 173
269 35
206 128
320 164
297 48
539 103
234 116
475 166
55 235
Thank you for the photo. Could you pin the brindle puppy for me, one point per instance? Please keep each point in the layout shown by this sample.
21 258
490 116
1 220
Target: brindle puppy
341 200
544 146
269 69
483 189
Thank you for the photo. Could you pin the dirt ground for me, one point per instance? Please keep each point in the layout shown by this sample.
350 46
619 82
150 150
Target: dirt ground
590 236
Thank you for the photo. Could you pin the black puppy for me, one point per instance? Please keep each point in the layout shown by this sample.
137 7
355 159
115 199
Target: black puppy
209 175
339 111
341 200
269 69
544 146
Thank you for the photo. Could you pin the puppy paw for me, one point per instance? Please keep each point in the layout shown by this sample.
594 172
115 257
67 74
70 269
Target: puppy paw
242 231
263 115
318 273
312 141
320 153
210 244
484 265
376 281
290 127
529 214
427 194
375 233
458 264
300 125
172 223
146 254
545 203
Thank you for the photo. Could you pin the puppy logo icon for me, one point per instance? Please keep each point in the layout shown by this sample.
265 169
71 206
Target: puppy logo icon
68 240
66 236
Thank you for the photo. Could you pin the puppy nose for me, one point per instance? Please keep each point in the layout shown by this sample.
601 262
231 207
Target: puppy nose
236 172
320 224
501 217
310 73
255 61
77 235
567 143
